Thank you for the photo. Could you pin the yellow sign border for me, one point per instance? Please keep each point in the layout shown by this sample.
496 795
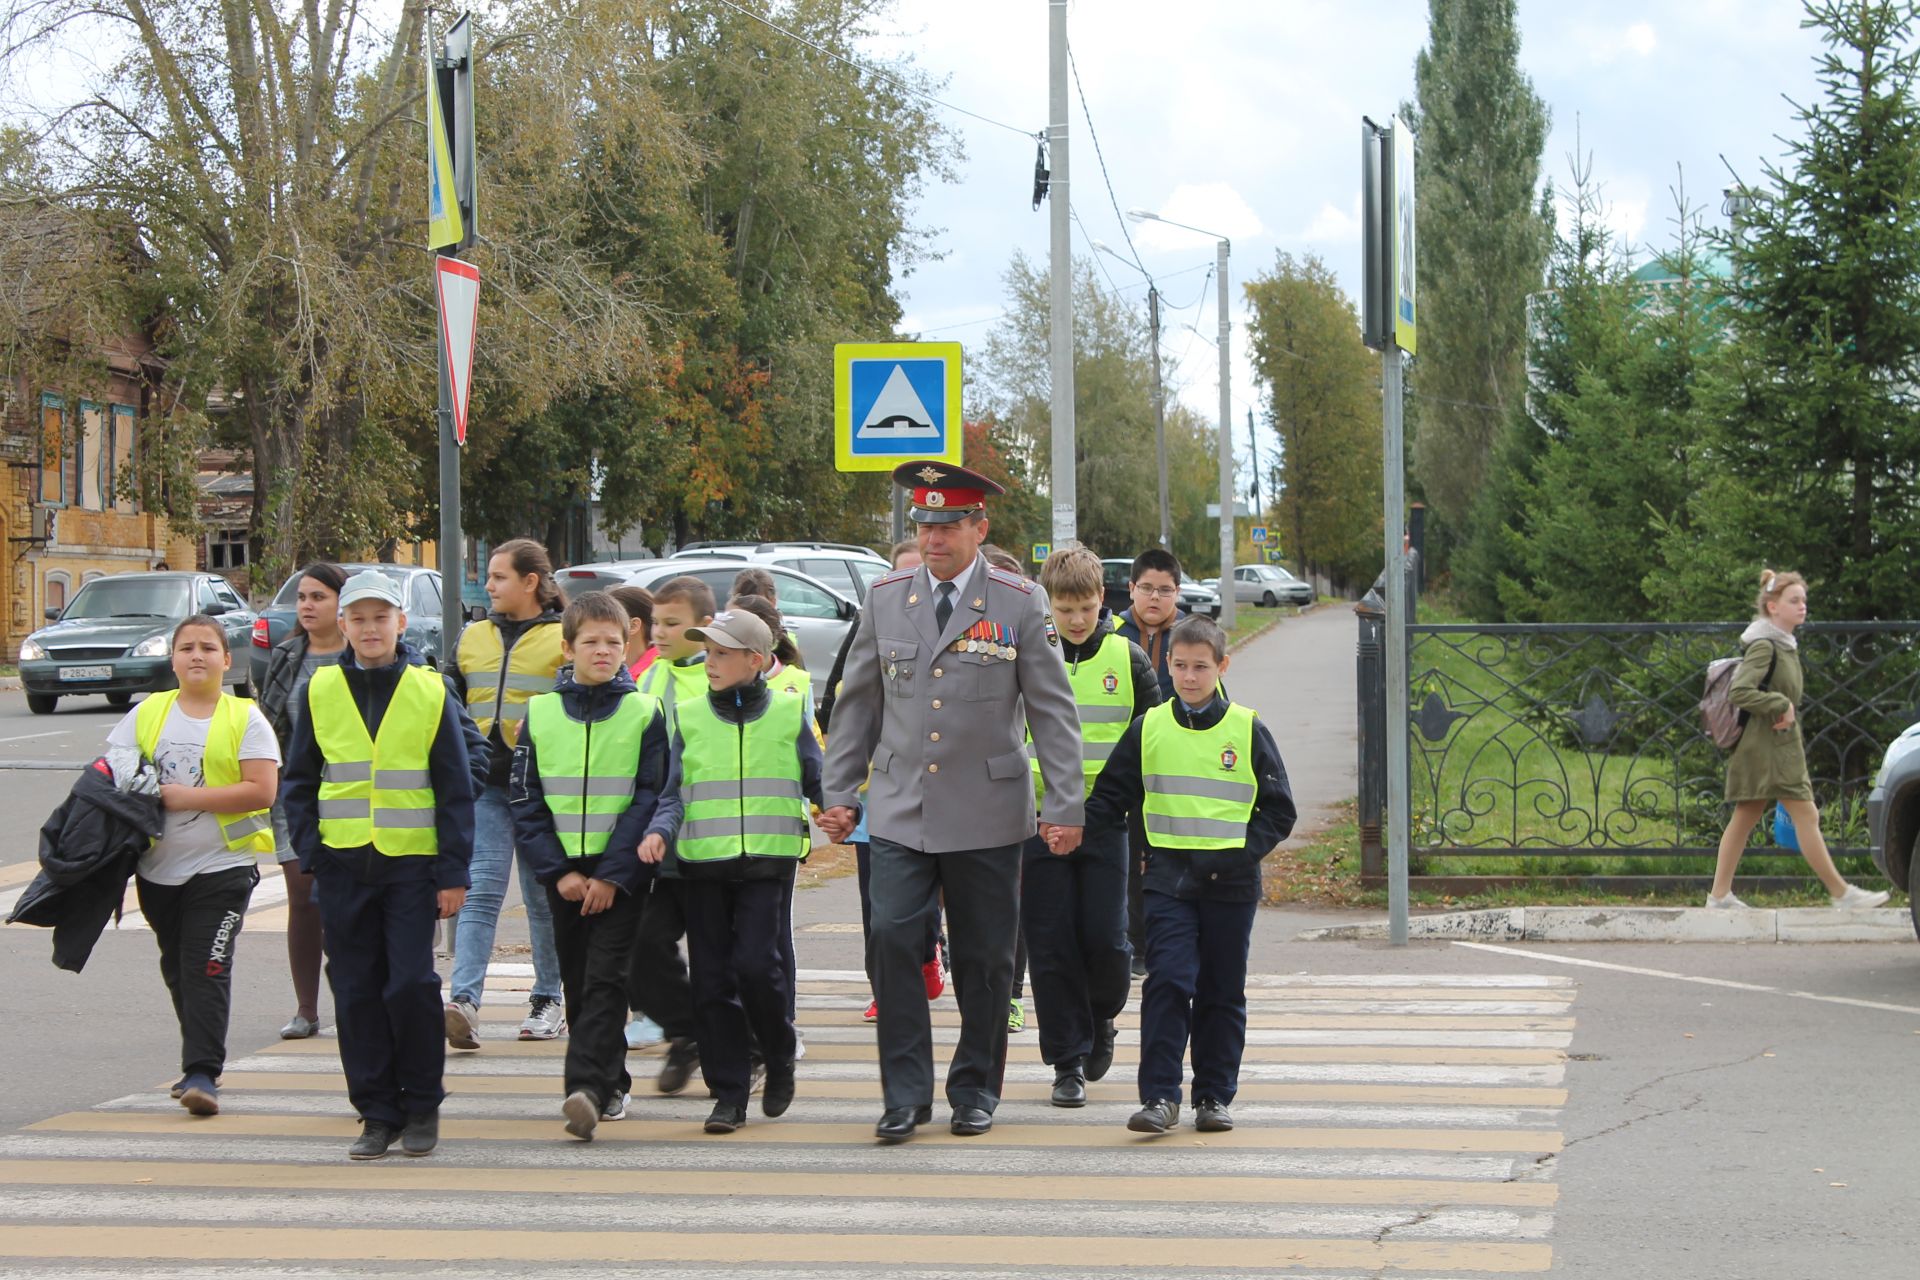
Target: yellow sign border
845 353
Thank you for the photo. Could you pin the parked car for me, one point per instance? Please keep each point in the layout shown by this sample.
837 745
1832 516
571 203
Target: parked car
475 601
1194 597
1893 817
419 587
595 576
115 637
1269 585
818 616
847 568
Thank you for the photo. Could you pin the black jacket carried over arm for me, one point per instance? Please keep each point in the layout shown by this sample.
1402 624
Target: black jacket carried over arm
740 705
534 833
88 850
1222 875
448 766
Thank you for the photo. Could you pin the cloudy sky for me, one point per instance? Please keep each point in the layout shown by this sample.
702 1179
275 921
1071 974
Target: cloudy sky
1243 116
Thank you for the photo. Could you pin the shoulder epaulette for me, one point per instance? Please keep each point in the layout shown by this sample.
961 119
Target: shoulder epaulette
899 575
1006 579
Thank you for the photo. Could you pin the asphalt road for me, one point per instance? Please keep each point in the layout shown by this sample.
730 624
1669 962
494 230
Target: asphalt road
1768 1129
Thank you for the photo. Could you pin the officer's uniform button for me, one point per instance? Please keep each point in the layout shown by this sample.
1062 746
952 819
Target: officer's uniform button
937 673
933 768
1214 876
936 704
935 737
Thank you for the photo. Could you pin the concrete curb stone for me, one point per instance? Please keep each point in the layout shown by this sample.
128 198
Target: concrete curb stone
1641 924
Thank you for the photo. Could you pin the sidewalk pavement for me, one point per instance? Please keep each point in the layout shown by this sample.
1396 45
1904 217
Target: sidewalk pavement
1639 924
1300 678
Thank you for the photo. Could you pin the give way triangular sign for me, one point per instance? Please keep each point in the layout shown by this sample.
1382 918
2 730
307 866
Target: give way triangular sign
458 285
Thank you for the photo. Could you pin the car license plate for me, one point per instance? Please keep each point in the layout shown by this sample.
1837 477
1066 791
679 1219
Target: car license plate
86 673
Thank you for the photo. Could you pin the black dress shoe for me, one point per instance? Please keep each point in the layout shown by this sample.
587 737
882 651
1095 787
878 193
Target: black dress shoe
898 1124
725 1118
777 1095
421 1135
1069 1085
1211 1117
375 1137
971 1122
1104 1038
1157 1116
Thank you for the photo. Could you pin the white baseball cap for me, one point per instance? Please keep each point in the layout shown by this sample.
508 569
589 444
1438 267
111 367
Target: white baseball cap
371 584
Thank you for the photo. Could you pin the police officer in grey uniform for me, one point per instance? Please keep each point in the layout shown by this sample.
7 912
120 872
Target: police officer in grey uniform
953 663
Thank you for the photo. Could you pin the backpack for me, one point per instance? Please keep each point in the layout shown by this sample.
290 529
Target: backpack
1720 720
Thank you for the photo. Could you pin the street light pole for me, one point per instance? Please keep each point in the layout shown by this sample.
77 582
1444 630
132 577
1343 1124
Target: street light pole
1227 540
1059 194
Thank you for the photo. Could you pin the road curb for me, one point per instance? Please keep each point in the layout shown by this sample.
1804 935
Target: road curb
1640 924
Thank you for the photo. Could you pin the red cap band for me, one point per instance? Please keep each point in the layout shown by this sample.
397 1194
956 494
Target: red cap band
949 499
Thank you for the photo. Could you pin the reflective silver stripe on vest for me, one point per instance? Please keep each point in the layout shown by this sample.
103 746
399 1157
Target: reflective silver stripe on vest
395 819
1173 784
746 788
247 826
1096 750
584 824
529 684
345 808
403 779
509 711
751 825
1106 715
1159 824
576 787
354 771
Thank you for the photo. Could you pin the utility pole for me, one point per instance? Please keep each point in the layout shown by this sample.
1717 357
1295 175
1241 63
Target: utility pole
1059 195
452 208
1227 539
1159 413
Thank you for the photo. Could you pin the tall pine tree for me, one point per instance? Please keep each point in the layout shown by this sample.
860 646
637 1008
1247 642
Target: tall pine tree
1483 242
1810 423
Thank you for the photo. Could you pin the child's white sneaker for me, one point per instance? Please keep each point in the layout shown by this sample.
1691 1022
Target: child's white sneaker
1726 902
1858 899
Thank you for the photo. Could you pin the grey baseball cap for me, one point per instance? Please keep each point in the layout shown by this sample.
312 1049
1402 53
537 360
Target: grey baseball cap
371 584
735 629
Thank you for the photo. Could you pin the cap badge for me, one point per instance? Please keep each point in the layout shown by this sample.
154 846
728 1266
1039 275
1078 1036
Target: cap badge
935 498
932 475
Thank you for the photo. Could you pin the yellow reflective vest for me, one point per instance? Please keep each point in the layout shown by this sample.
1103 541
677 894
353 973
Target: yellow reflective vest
1103 695
220 766
587 767
378 790
499 691
1199 784
741 783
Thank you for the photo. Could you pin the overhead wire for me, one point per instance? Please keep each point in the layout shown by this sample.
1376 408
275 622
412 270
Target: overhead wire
1101 159
868 67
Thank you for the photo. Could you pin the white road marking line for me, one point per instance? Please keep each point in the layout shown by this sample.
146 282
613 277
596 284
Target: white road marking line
1690 977
29 737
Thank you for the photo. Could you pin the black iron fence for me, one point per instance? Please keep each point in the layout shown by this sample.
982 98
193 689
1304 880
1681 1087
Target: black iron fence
1566 742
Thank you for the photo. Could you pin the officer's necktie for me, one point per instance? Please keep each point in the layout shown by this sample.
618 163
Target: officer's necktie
943 608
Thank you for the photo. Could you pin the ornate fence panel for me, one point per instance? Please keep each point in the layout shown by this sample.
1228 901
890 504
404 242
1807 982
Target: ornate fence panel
1581 740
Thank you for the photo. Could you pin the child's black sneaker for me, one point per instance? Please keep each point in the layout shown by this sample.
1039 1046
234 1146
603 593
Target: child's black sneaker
1210 1116
778 1093
582 1110
1105 1037
375 1137
199 1095
683 1057
725 1118
1157 1116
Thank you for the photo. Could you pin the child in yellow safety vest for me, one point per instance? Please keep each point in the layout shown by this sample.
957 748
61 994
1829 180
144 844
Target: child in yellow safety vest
219 766
1073 908
587 779
747 767
379 800
1212 794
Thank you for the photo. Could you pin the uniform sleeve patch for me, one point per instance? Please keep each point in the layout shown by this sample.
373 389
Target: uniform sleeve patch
1053 636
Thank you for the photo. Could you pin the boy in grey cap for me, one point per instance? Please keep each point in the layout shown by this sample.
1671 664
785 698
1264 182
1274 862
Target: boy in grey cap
747 766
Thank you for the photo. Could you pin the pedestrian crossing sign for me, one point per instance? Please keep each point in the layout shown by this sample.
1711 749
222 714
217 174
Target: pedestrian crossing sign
893 401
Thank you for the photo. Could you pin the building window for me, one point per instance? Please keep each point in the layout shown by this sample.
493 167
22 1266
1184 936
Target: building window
56 451
226 550
57 582
92 459
121 472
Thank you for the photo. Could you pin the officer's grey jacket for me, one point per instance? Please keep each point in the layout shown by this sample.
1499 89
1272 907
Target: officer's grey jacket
945 731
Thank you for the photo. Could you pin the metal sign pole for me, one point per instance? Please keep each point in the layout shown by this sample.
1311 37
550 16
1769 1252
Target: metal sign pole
1398 806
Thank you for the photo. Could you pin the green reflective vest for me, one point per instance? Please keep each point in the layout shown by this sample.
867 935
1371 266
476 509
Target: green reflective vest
1103 692
1199 783
587 767
673 682
377 790
741 783
219 765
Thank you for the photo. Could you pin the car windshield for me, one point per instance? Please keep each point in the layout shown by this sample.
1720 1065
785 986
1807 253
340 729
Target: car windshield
130 598
290 591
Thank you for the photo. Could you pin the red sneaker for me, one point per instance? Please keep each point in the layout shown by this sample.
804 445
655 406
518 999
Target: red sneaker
935 976
873 1011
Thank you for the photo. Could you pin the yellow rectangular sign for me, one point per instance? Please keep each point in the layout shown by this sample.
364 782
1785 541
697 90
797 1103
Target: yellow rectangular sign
895 402
444 226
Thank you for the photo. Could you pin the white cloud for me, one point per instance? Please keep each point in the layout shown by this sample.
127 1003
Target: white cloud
1608 44
1641 39
1216 206
1334 224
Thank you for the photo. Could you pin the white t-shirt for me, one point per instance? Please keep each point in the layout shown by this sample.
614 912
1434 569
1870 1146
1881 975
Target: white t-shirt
191 844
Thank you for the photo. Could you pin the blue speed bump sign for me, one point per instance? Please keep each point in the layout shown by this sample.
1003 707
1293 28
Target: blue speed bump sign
1041 550
893 401
1259 533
